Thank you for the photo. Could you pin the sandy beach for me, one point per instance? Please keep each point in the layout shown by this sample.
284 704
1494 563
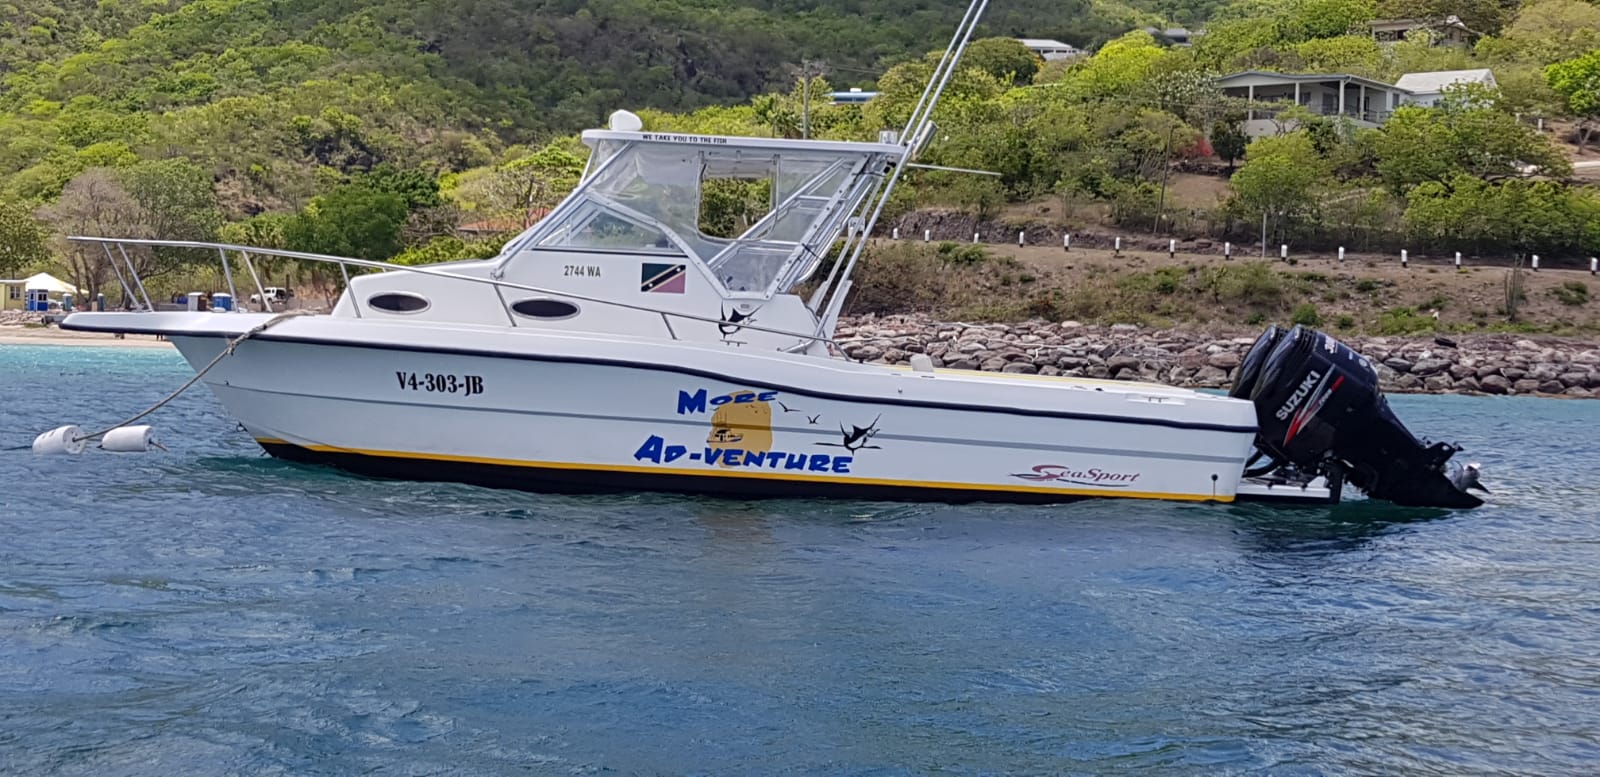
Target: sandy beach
22 335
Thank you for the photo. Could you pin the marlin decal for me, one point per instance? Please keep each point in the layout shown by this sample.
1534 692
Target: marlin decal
856 438
731 321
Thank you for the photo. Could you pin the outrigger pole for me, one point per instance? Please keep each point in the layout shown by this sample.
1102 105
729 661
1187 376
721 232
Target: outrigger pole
915 134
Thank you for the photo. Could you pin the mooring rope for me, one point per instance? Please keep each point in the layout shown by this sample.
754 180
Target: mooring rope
227 351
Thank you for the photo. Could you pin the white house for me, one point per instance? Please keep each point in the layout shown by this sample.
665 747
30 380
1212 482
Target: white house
1447 32
1425 89
1363 101
1050 49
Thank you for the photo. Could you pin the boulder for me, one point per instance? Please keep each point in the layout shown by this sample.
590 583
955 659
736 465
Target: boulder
1397 364
963 364
1514 373
1551 387
1525 386
1437 383
1020 368
1224 360
1430 367
1050 370
1573 378
1495 384
1578 393
1469 384
1122 361
993 364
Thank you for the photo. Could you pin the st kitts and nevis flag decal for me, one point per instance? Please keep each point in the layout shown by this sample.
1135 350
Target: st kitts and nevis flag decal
663 278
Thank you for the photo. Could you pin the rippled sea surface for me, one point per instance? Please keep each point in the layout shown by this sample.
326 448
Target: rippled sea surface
213 611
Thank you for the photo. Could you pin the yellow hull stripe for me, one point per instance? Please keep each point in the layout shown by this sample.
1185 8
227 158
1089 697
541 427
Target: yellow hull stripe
755 475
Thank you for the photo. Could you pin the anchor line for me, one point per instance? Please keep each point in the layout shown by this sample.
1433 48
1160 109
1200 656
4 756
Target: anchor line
227 351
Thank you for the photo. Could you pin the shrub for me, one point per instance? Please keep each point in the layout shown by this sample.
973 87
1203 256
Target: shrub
1367 285
1572 293
956 253
1403 321
1306 315
1256 319
1345 322
1252 283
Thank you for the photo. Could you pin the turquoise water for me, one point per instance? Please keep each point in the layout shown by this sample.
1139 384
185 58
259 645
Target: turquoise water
212 611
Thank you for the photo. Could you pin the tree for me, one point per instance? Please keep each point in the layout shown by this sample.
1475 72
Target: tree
516 190
1117 68
22 239
94 203
1279 177
175 202
352 220
1578 82
1546 31
1004 58
1228 140
1466 132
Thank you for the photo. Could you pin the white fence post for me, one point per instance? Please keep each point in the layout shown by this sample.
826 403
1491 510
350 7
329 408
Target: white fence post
1458 260
927 234
1066 241
1404 259
974 237
1227 250
1594 264
1116 247
1172 248
895 235
1283 252
1341 253
1020 238
1535 262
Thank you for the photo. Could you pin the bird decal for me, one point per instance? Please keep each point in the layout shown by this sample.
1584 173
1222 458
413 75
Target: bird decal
787 409
812 419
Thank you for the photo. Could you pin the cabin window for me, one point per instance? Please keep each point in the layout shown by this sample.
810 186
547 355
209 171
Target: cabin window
545 308
398 302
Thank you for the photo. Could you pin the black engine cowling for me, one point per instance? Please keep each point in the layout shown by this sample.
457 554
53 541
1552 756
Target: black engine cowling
1318 405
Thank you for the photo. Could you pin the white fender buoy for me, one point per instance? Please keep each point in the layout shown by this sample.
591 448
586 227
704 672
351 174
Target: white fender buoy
62 439
128 439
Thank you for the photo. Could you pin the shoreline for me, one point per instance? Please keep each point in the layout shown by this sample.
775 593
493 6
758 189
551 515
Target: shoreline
1481 364
56 337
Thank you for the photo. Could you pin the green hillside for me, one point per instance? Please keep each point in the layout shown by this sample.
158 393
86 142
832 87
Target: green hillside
376 128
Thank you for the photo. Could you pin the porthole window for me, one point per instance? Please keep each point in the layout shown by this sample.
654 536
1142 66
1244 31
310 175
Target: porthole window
547 309
398 302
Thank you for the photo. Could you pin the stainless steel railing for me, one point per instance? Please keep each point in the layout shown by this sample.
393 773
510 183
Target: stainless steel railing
344 263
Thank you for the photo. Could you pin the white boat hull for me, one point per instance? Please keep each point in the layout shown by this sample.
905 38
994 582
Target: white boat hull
564 412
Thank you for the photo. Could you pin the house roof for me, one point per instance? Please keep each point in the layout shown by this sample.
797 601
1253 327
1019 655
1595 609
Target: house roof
1411 24
1046 43
1437 80
44 281
1289 78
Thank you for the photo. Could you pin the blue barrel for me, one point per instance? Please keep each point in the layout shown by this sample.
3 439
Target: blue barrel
221 301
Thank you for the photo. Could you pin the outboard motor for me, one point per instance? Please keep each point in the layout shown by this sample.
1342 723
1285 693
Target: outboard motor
1318 408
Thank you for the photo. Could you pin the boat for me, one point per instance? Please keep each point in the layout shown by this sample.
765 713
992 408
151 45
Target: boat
614 345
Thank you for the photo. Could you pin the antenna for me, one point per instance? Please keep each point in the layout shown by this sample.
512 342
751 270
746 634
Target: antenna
917 132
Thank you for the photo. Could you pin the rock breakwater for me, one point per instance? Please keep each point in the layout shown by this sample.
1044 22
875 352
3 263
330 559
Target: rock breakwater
1458 364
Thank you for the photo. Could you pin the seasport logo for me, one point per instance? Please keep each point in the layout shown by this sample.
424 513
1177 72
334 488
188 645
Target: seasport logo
1093 476
1306 387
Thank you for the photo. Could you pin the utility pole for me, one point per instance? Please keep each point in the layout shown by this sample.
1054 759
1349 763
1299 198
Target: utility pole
1166 170
806 74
